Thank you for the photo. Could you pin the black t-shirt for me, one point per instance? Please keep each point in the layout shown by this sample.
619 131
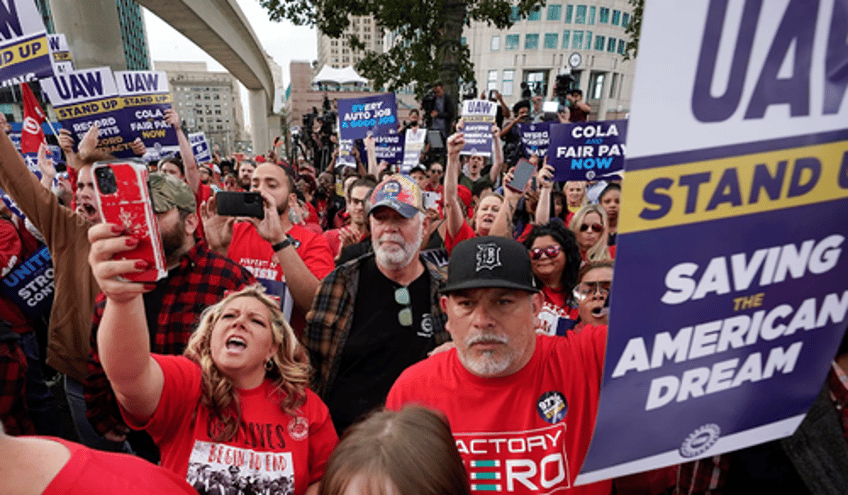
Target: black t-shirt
378 347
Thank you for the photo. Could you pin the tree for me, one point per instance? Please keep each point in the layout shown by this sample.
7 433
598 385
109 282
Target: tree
430 32
634 29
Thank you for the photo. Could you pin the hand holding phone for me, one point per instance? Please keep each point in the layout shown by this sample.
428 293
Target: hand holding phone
240 204
524 170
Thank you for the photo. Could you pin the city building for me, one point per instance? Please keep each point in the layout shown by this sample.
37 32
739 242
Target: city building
336 52
586 40
134 35
207 101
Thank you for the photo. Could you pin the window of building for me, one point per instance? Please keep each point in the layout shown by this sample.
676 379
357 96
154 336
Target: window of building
506 88
554 12
462 41
611 45
535 14
495 45
613 84
616 17
621 46
599 42
492 81
577 40
597 89
565 36
531 41
603 18
551 40
591 18
513 14
580 14
625 20
587 40
511 42
569 11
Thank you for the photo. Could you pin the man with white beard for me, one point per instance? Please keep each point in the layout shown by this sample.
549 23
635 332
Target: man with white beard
376 315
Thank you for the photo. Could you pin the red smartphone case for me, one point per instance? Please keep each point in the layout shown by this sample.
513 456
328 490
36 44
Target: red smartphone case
130 205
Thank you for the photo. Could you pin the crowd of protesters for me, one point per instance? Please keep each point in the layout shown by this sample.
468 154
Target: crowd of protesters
383 303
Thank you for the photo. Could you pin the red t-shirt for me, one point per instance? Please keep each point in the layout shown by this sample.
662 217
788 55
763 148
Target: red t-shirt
333 238
554 307
95 472
270 444
465 232
526 433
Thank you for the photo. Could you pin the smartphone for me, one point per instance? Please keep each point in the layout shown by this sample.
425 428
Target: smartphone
435 140
431 200
523 171
240 204
123 198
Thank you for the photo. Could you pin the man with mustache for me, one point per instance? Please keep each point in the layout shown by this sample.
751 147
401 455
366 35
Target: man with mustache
376 315
521 406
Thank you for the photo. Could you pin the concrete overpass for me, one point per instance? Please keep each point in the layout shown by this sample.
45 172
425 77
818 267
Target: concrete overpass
217 26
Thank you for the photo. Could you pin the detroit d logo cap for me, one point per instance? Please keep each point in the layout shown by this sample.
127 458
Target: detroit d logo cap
491 261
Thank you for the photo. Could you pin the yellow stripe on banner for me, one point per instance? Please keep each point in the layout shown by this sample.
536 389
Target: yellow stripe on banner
730 187
89 108
21 52
61 56
135 101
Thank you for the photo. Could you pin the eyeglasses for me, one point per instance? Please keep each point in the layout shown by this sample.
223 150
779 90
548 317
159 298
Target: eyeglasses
586 289
551 251
596 227
436 171
405 314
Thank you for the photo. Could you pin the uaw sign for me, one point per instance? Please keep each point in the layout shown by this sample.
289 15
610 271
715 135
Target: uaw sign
24 51
146 96
200 147
30 284
740 176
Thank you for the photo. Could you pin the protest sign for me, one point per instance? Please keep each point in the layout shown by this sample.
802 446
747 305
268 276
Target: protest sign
478 117
85 97
60 53
30 284
24 51
200 147
367 115
587 150
535 138
345 158
413 146
279 290
389 146
729 296
146 96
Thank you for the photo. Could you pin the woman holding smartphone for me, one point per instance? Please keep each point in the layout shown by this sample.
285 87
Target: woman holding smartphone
234 410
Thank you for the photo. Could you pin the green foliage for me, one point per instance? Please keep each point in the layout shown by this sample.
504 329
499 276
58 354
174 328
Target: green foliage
634 29
430 32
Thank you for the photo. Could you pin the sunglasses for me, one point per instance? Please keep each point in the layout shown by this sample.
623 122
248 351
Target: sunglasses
551 251
585 289
405 314
595 227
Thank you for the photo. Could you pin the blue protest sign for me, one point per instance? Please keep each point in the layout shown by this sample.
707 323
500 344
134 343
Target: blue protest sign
30 284
279 290
729 297
478 116
84 97
346 157
367 115
587 150
146 97
24 51
535 138
60 53
200 147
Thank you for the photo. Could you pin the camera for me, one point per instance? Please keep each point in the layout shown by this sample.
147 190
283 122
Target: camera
562 87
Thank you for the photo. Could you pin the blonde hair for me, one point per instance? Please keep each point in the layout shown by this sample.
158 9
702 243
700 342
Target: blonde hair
473 222
289 371
600 250
580 183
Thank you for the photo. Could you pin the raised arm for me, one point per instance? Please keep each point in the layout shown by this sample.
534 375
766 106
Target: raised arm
192 174
123 339
497 155
546 184
454 213
371 152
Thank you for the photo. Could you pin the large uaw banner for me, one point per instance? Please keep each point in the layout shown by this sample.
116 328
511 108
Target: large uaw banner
146 96
478 117
366 116
729 298
24 52
587 150
85 97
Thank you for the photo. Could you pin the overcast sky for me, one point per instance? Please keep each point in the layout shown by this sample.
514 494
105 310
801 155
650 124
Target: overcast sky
283 41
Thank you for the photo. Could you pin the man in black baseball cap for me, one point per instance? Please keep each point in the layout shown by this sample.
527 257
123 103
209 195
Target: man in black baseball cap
503 385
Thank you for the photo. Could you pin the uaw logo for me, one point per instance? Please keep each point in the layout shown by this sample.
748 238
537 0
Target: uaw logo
30 126
700 440
390 190
552 407
488 256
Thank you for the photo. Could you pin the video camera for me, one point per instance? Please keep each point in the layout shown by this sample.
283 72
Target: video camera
562 86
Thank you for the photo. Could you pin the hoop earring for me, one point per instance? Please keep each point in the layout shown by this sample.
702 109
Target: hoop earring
269 365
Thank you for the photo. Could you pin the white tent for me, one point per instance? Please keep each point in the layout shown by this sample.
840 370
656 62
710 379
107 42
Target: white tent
347 75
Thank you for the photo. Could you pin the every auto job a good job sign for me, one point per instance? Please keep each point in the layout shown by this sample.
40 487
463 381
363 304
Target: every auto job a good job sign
730 292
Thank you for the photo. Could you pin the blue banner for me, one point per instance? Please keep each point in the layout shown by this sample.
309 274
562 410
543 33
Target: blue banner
478 117
346 158
24 50
200 147
146 97
367 115
535 137
30 285
587 150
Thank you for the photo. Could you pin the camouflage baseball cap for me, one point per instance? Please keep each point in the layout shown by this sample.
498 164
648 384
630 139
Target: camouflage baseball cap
166 192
